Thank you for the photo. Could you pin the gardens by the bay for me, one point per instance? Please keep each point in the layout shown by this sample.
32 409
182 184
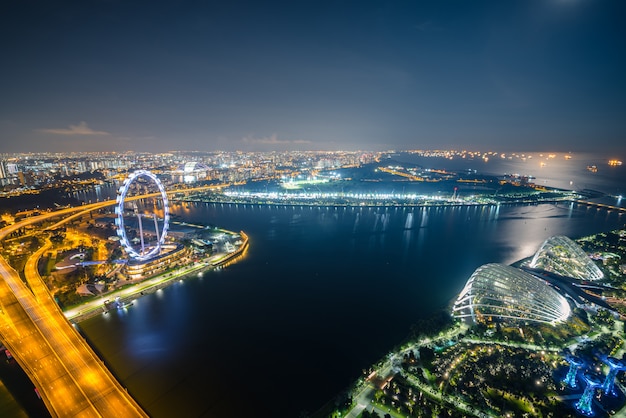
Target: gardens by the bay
496 376
507 368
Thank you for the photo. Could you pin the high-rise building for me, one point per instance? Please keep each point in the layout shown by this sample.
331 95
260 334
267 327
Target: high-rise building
4 172
12 168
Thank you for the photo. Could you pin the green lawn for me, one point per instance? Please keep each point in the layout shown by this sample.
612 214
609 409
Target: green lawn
388 410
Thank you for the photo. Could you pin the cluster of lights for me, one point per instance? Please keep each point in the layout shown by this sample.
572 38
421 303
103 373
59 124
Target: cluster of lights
320 195
119 210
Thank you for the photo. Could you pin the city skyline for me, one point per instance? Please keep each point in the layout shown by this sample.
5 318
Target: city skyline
112 76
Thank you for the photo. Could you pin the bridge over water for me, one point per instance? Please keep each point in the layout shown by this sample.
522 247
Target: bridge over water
69 376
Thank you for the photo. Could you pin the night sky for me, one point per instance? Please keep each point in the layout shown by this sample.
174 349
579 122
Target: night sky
531 75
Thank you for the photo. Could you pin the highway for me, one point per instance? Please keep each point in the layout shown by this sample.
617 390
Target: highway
600 205
92 206
69 376
71 379
92 377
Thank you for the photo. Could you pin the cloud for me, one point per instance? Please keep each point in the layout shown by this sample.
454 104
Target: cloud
80 129
273 140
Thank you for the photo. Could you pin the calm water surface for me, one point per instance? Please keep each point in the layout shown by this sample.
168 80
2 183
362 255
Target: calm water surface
571 174
321 294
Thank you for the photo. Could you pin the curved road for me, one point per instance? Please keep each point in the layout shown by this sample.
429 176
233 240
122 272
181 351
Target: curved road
71 379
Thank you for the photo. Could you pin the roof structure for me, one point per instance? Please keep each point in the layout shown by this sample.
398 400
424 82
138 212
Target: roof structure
193 166
496 292
561 255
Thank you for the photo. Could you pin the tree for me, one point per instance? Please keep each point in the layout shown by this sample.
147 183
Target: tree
604 317
427 355
378 395
34 243
582 314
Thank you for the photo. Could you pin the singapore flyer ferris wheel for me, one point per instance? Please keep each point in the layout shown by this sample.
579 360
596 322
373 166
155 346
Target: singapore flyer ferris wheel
142 245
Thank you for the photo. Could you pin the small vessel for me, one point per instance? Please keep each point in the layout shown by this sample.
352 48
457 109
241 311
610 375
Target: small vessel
592 168
614 163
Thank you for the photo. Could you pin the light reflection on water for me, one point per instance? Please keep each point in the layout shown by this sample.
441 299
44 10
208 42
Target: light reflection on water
322 293
571 174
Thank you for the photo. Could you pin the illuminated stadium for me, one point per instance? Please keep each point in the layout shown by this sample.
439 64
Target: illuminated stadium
496 292
564 257
192 171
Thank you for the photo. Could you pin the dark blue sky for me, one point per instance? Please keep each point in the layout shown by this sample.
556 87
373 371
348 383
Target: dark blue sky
140 75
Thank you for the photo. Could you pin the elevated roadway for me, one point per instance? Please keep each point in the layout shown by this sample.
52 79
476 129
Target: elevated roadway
71 379
601 205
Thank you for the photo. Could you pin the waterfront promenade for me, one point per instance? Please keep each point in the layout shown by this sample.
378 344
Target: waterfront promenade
133 291
70 378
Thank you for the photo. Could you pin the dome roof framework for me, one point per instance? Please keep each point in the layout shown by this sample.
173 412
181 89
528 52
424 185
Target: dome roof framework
562 256
499 292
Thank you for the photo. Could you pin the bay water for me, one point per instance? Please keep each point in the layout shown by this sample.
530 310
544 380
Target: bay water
321 294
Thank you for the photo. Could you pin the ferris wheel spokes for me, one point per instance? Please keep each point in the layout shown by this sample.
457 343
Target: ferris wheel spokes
119 221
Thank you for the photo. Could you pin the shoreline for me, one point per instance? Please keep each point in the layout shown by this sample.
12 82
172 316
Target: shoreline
383 366
151 285
392 205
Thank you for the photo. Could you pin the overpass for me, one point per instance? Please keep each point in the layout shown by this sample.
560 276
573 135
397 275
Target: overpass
600 205
71 379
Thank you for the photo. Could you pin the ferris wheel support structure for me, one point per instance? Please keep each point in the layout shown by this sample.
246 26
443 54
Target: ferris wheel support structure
119 221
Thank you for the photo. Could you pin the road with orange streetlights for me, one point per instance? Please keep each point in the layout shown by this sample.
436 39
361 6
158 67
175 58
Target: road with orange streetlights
71 379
